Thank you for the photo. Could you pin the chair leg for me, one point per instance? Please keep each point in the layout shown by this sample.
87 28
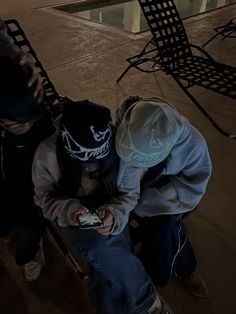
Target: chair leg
137 59
213 37
229 34
206 114
124 72
225 31
75 266
66 252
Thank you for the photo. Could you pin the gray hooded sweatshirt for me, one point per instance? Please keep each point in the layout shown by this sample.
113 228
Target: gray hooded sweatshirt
46 175
186 172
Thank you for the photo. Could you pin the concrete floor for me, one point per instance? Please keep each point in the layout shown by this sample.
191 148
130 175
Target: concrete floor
84 60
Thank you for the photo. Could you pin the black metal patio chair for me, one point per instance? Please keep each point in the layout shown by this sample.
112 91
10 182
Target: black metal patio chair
170 51
225 31
53 102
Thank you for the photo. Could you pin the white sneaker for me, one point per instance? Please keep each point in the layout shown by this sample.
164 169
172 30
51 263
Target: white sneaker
33 269
159 307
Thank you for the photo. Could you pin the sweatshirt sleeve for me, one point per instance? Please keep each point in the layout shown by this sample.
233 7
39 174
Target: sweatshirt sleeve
7 46
45 178
126 198
184 189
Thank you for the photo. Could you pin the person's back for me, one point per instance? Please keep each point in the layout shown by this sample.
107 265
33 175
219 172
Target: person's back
23 126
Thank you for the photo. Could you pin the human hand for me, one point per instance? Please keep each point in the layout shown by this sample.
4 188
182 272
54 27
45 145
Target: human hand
26 61
108 221
72 218
17 128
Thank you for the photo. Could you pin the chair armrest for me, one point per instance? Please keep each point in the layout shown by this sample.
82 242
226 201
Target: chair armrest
202 51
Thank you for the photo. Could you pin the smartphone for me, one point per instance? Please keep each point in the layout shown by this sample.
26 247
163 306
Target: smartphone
90 221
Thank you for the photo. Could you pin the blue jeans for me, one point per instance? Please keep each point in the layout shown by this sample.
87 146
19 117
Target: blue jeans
118 282
166 250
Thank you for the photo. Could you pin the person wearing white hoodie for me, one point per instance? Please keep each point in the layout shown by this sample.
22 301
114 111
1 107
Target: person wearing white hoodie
152 135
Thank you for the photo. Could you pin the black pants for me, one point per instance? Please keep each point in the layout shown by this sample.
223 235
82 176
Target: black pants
28 231
165 250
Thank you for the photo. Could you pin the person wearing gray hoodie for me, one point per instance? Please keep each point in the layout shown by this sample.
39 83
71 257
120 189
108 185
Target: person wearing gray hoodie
76 171
153 136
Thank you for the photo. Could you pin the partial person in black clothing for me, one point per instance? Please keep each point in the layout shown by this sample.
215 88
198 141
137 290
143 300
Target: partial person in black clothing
8 48
23 125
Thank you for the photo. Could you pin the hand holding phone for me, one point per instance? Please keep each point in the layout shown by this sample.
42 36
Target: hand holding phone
72 216
90 220
108 221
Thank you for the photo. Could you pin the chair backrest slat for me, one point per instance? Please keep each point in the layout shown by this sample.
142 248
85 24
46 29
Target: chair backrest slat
167 29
